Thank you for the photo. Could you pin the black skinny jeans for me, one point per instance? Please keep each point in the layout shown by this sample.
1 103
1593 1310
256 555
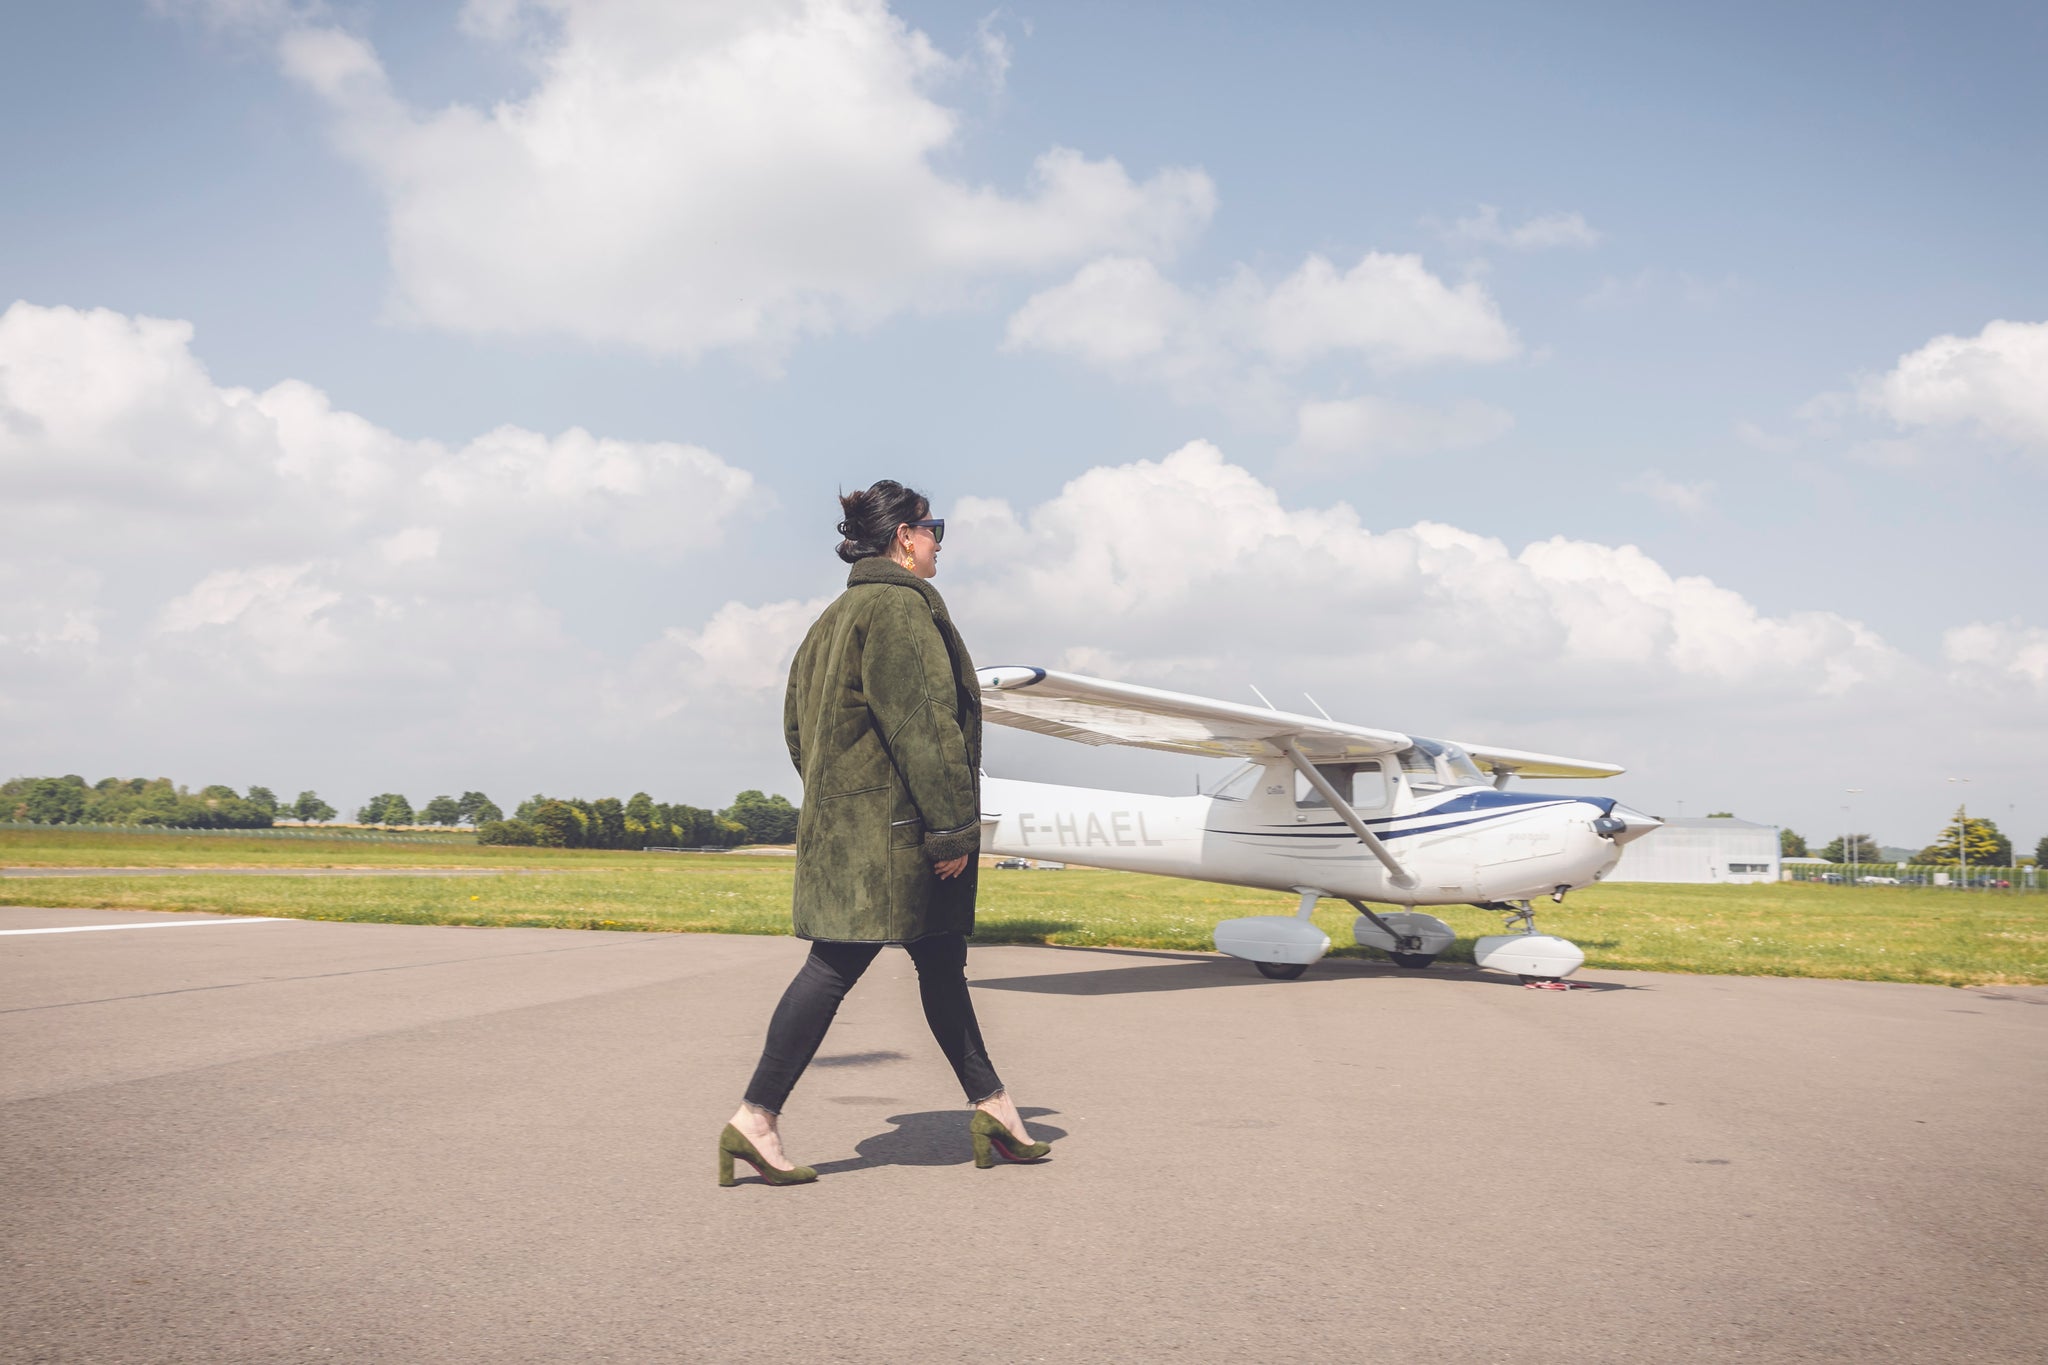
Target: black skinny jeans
807 1007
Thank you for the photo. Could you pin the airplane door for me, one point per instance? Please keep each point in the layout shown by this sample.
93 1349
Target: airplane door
1370 790
1364 785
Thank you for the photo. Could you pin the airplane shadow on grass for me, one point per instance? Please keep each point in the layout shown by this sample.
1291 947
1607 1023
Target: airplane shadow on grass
1205 971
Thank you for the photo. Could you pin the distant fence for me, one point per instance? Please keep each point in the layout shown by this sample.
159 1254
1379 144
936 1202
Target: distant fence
368 836
1974 878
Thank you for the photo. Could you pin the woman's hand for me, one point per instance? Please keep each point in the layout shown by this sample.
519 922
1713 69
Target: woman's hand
952 867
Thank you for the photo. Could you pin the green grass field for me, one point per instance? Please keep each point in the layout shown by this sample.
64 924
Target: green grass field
1785 929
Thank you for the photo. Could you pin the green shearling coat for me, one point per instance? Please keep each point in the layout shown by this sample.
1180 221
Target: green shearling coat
883 718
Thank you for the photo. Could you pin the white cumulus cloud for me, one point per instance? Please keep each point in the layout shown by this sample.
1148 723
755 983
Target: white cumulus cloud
1192 546
1388 310
1190 572
1994 383
1998 652
276 608
734 174
1116 312
202 574
194 567
743 647
1245 342
110 426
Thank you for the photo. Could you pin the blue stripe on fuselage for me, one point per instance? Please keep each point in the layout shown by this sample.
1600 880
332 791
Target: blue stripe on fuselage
1488 798
1492 803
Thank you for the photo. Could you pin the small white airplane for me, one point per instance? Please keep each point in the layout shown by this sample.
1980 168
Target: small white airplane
1320 808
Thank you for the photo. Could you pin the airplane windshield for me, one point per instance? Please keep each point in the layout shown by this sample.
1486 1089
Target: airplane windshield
1435 764
1239 785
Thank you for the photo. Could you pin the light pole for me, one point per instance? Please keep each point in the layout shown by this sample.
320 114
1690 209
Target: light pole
1849 839
1963 837
2029 875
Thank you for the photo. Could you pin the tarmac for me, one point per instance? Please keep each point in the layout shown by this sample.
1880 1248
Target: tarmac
283 1140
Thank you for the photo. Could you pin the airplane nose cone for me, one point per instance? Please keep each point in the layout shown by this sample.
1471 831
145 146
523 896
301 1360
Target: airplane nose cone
1622 824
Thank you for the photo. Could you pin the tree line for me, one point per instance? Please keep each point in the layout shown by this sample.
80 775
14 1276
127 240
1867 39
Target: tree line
71 800
540 821
1970 837
642 822
391 808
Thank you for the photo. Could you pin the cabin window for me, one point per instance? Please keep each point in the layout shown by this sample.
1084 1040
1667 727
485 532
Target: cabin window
1362 785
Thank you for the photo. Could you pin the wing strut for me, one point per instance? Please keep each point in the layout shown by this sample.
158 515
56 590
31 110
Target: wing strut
1396 872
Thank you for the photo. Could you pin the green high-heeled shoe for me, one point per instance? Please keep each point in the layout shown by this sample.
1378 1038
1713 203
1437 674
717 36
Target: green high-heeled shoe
733 1143
991 1137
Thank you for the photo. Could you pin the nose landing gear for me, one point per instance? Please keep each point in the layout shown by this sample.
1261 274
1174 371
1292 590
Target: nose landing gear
1537 959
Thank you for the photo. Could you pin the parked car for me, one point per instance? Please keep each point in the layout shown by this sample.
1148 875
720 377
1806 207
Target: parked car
1882 881
1832 877
1011 864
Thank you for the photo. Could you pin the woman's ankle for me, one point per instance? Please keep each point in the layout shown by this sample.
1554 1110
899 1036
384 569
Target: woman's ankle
753 1116
1003 1110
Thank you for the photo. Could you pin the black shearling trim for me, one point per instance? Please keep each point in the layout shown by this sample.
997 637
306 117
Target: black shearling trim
943 846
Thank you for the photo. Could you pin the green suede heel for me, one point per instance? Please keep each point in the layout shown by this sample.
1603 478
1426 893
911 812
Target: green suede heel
990 1138
733 1143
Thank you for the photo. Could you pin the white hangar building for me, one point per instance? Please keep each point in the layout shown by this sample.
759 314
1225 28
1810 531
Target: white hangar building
1721 849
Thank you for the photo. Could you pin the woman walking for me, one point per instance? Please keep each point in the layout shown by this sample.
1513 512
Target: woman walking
883 719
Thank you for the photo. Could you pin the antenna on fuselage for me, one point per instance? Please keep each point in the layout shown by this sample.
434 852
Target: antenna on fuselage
1261 696
1319 706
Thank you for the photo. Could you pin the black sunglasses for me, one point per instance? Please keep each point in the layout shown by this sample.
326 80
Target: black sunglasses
936 525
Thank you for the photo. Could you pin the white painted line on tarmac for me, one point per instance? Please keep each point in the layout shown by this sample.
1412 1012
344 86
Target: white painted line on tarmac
151 924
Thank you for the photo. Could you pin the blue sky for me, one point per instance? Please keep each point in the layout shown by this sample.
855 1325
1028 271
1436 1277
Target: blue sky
1593 276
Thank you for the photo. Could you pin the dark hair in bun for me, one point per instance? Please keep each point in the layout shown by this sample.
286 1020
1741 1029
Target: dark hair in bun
872 516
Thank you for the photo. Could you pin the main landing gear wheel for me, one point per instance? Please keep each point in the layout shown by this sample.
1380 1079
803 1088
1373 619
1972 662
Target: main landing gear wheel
1414 962
1281 971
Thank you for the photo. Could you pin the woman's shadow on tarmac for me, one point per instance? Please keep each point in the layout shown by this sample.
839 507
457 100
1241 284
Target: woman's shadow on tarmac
930 1138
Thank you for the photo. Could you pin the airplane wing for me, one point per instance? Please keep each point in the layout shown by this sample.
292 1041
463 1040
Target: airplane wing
1097 711
1523 764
